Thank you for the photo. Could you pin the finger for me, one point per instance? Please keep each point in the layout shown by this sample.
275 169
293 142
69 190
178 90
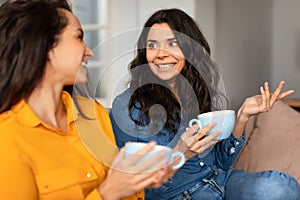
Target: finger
204 141
192 130
284 94
207 128
202 133
199 136
153 163
149 179
119 157
267 94
134 158
207 145
276 93
162 175
263 98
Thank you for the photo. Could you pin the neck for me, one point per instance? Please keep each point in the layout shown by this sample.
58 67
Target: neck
173 87
47 104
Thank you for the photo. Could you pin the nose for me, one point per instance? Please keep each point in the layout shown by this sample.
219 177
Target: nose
162 52
88 52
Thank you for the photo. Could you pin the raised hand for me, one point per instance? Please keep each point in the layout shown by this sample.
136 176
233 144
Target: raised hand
258 104
193 142
265 101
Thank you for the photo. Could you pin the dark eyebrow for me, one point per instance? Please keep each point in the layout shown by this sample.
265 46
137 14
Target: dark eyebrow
151 40
171 39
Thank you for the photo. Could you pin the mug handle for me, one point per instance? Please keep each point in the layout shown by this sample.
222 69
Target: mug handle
182 159
193 121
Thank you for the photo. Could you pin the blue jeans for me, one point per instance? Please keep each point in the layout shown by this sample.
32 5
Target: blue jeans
241 185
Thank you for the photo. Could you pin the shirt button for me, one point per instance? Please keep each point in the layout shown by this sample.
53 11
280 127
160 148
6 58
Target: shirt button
237 143
201 164
232 151
89 175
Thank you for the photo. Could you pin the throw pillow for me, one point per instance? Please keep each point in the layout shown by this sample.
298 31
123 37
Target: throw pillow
274 143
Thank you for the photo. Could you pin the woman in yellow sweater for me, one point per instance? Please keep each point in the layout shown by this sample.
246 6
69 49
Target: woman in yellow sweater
42 155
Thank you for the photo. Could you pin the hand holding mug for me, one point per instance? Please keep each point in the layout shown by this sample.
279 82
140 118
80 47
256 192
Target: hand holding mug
133 148
195 141
132 176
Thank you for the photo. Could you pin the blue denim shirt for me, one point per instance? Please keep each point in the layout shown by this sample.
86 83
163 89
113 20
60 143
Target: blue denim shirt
214 162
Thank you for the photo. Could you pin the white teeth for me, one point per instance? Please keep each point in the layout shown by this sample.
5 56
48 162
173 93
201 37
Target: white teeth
166 66
83 64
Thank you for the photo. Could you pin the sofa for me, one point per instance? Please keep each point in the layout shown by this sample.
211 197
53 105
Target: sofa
272 142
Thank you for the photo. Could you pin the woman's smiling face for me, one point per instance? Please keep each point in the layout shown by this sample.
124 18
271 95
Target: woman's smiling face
163 53
70 56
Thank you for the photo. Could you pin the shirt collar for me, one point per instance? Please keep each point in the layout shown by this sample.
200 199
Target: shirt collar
25 115
71 108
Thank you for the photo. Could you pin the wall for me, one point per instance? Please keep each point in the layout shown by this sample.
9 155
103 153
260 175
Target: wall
286 44
244 46
257 41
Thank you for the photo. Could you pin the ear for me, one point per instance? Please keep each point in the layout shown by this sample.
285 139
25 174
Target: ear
51 57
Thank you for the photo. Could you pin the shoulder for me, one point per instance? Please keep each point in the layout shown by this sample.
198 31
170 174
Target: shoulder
122 99
120 103
120 113
89 106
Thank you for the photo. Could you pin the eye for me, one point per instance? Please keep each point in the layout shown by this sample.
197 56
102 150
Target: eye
152 45
173 43
80 37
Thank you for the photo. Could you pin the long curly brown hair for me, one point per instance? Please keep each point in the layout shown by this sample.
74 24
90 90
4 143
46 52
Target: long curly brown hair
197 83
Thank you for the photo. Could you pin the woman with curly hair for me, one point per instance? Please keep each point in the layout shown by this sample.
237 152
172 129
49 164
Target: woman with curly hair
173 79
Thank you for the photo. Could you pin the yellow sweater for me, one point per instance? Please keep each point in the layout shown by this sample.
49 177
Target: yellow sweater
38 161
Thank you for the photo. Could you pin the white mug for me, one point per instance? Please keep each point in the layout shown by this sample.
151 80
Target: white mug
133 147
225 120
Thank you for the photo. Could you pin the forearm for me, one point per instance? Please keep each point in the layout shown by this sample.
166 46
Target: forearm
240 123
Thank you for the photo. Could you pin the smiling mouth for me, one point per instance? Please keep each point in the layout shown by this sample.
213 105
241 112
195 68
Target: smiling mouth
165 66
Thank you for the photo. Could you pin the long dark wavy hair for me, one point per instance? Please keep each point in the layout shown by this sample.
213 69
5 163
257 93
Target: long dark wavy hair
29 29
197 83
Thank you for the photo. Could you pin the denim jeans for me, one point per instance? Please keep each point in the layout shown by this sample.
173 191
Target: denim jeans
266 185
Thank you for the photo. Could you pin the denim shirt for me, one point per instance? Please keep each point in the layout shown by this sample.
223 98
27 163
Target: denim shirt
215 161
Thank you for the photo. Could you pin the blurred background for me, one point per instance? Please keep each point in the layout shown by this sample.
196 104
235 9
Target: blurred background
251 41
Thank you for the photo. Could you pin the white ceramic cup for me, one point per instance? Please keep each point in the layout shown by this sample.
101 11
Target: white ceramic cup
132 148
225 120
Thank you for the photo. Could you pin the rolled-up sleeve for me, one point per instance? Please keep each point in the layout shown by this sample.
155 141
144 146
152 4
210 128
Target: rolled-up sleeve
228 150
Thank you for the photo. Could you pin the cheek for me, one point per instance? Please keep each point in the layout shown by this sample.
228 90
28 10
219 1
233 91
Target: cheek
150 55
181 63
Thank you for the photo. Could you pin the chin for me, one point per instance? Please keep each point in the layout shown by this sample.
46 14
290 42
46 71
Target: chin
167 77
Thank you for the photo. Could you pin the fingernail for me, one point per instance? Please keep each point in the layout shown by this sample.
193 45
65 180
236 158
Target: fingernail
152 143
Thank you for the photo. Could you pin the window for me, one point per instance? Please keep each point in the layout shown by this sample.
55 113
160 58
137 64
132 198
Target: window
93 15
